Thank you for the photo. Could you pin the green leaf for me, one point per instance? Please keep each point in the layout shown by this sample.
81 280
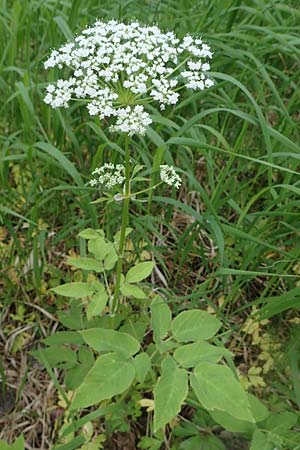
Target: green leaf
261 441
57 356
86 264
19 444
109 376
190 355
135 328
76 374
96 304
282 422
89 233
234 425
142 364
139 272
64 337
169 393
110 259
130 290
73 317
99 247
161 317
202 442
217 389
194 325
101 340
75 290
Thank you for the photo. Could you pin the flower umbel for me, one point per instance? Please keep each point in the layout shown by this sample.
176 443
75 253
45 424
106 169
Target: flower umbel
118 68
169 176
108 176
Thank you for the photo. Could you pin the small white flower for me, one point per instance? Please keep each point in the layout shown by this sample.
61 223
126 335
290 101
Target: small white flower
117 66
169 176
108 176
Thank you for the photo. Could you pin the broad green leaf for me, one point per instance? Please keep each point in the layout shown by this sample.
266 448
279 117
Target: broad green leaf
96 304
169 393
110 259
161 317
73 317
75 290
76 374
19 444
64 337
89 233
282 422
135 328
217 389
57 356
142 364
139 272
86 264
261 441
194 325
258 411
103 340
190 355
130 290
202 442
109 376
99 247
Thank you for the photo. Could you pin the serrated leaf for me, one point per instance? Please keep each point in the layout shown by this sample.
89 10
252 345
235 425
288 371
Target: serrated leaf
101 340
74 290
96 304
86 264
139 272
109 376
142 364
217 389
169 393
194 325
161 317
190 355
130 290
99 247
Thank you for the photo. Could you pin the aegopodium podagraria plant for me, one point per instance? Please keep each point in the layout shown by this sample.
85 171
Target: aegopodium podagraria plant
117 70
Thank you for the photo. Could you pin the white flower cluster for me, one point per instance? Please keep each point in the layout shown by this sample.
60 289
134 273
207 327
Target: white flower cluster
118 67
108 176
169 176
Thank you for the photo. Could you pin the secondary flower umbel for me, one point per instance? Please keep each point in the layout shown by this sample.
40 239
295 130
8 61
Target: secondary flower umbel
118 68
108 176
169 176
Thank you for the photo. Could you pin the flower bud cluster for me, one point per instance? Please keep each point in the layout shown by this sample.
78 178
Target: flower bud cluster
108 176
169 176
119 67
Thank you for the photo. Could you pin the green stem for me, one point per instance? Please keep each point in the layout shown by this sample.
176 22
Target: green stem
125 217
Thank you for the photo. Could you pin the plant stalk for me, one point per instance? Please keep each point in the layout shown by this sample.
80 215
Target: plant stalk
125 219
